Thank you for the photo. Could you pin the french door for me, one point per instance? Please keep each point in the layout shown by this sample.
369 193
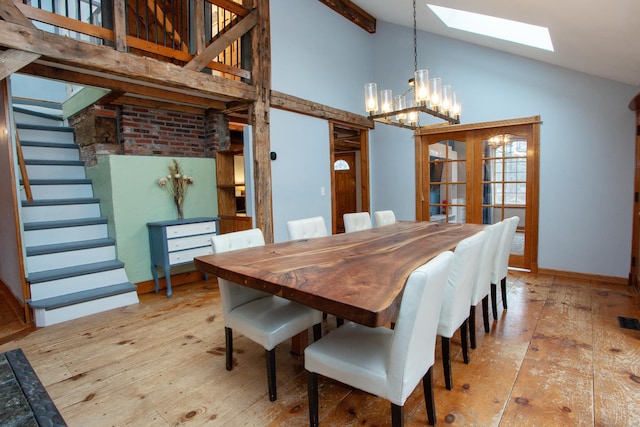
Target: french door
481 174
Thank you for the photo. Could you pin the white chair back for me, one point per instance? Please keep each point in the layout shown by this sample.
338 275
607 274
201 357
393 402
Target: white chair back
306 228
414 336
504 249
482 282
384 218
356 221
457 296
232 294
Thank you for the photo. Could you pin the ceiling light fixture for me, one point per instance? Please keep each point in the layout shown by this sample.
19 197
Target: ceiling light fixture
429 96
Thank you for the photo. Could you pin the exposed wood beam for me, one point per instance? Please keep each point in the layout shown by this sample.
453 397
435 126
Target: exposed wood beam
105 59
291 103
160 105
230 6
122 87
13 60
221 43
353 13
120 25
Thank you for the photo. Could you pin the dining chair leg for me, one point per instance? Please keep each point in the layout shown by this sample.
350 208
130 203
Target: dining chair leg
317 332
446 362
397 415
339 322
312 395
485 313
494 303
504 293
427 385
271 373
472 326
228 345
464 328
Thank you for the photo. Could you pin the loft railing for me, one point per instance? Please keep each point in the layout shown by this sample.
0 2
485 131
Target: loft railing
162 29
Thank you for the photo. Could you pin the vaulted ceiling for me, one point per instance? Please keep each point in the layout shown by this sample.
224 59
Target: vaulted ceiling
595 37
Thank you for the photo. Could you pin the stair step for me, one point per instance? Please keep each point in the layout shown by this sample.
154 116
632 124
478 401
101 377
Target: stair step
74 271
45 225
45 133
47 144
58 212
67 247
39 162
82 296
27 126
59 181
57 117
43 190
61 202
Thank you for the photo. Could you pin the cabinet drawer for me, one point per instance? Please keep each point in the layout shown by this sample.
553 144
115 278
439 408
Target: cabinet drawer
191 229
183 243
187 256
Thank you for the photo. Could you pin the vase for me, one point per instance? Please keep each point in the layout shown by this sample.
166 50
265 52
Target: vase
178 202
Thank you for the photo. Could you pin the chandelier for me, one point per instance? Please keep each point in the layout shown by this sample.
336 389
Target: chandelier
424 95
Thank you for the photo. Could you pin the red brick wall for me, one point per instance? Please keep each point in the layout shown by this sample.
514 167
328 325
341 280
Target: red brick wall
150 132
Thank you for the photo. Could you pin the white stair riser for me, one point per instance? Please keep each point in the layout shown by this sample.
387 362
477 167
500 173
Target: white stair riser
29 119
60 212
70 285
45 136
55 172
70 258
59 191
50 153
51 317
52 236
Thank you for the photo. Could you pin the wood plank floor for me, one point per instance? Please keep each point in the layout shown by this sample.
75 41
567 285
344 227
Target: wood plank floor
556 357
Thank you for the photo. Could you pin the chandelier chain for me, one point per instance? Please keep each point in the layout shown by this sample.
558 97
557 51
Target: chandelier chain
415 39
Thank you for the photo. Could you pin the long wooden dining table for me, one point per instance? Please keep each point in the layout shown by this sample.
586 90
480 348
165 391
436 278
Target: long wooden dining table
356 276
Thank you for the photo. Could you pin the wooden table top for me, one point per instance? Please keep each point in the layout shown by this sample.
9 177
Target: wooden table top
357 276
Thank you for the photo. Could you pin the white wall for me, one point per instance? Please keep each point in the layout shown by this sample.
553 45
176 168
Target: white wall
319 56
587 135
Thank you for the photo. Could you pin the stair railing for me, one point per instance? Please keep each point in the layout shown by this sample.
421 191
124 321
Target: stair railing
23 166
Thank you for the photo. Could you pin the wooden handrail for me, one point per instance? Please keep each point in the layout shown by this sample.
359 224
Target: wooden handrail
23 166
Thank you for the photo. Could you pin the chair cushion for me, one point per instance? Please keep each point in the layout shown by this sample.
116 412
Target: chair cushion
271 320
353 354
306 228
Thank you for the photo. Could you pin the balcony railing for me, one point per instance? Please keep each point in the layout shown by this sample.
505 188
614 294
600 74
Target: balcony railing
162 29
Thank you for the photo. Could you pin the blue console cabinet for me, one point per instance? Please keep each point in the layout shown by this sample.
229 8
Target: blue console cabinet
177 242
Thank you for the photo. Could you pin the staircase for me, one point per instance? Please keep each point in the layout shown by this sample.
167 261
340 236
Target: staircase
72 268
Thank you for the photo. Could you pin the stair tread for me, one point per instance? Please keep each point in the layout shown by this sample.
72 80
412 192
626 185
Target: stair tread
44 225
54 162
38 113
69 246
82 296
59 181
45 127
74 271
53 202
48 144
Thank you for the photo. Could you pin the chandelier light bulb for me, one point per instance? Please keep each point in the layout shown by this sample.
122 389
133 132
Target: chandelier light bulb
421 86
371 97
435 90
401 104
446 99
386 100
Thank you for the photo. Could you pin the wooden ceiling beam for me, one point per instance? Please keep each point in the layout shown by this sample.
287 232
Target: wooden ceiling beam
353 13
13 60
40 70
104 59
231 7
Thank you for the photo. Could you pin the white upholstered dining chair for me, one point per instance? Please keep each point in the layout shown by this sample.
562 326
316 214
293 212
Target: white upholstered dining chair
306 228
457 298
482 281
384 218
388 363
356 221
263 318
501 263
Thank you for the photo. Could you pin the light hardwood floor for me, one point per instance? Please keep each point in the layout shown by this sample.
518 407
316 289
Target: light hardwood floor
556 357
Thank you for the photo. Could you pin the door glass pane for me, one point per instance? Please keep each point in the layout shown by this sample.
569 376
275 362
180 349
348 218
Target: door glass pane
504 182
447 181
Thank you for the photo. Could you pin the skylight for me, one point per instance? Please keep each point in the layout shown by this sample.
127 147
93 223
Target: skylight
505 29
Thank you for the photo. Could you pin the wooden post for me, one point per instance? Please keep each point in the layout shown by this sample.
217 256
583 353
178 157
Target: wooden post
259 116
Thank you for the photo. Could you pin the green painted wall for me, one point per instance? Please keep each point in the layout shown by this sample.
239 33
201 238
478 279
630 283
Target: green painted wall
130 198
